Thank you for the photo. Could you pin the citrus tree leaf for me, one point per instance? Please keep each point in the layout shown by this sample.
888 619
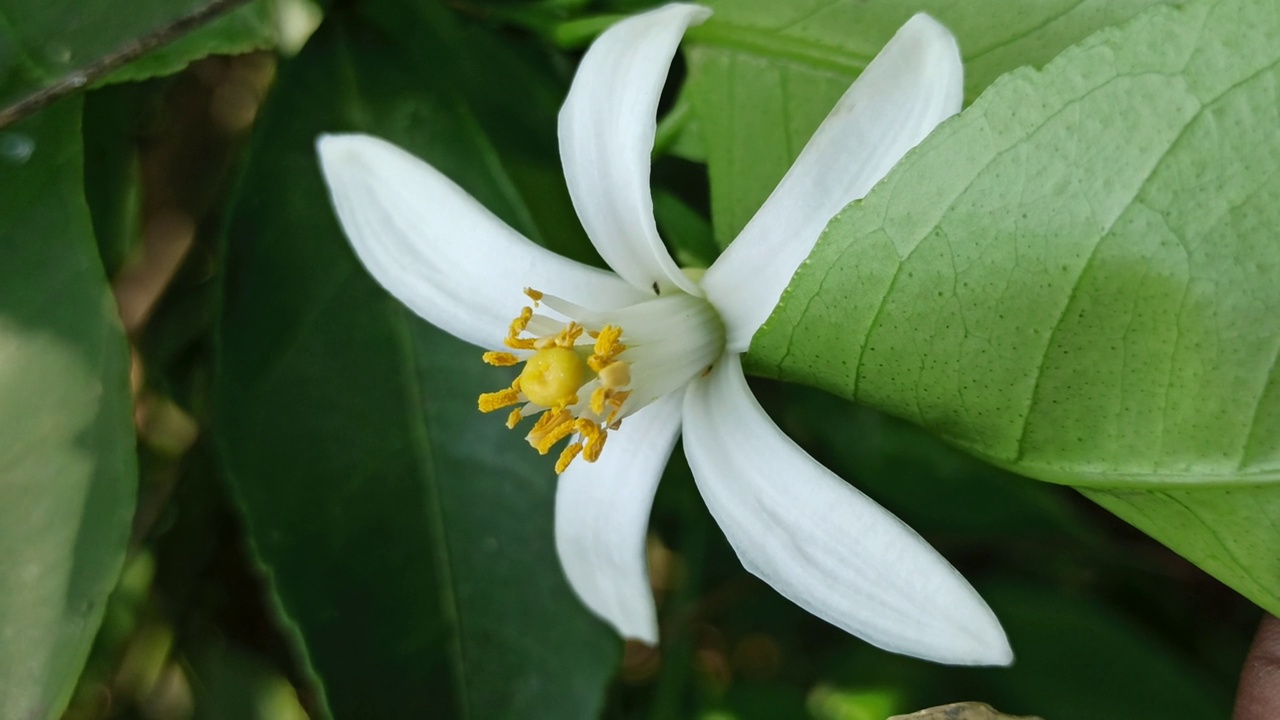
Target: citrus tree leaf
67 464
408 539
50 49
763 74
1075 279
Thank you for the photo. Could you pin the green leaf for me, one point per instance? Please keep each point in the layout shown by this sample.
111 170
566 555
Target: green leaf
49 49
763 74
67 463
1075 280
1079 660
247 28
408 538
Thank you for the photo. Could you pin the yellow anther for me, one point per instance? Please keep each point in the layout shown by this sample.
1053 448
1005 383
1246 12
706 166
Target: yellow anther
534 295
595 446
514 418
500 359
567 455
615 375
497 400
593 436
616 401
569 335
559 427
607 345
513 339
552 377
598 396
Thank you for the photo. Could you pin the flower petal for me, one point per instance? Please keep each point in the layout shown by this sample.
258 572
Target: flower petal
441 252
821 543
602 514
916 82
606 136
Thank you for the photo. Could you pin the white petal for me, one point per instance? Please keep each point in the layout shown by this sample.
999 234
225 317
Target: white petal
602 513
916 82
821 543
439 251
606 136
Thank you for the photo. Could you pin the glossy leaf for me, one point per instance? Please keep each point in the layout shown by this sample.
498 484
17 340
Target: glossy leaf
67 464
63 46
763 74
407 537
1076 280
246 28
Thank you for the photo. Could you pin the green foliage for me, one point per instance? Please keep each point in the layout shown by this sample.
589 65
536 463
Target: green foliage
67 464
763 74
246 28
70 44
1076 280
408 538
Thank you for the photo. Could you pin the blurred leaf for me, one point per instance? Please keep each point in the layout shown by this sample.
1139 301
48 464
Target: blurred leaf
1077 660
113 119
407 537
51 48
246 28
230 683
67 464
1076 280
763 74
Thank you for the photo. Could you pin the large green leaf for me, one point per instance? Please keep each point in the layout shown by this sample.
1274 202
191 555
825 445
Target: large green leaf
246 28
408 538
763 74
1076 279
67 463
48 49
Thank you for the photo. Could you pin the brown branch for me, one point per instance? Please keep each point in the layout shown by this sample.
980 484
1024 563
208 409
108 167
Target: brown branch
108 64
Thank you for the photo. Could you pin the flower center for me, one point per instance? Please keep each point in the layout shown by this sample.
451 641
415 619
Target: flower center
552 376
584 373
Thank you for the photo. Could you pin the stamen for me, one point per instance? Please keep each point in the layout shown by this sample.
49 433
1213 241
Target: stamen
615 375
560 427
513 339
534 295
514 418
497 400
607 347
500 359
593 449
567 455
594 436
616 401
598 397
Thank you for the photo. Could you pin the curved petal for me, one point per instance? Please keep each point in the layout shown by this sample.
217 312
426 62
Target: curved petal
602 513
821 543
916 82
606 136
439 251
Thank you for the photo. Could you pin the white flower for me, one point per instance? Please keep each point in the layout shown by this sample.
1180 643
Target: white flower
635 356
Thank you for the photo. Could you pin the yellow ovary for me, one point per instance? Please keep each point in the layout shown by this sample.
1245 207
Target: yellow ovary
552 376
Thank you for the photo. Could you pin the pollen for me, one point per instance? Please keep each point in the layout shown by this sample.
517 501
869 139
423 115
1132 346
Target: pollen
552 376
